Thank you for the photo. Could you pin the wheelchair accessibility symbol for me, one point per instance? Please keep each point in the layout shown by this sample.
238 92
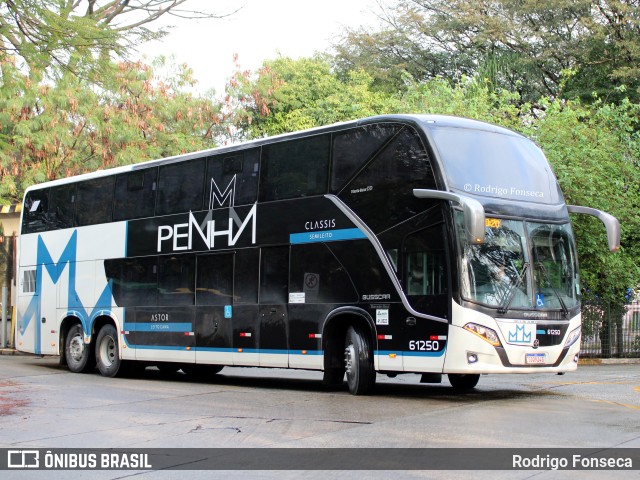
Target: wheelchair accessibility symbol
539 299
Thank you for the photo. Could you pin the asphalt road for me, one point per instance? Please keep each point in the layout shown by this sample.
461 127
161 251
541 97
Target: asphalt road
43 405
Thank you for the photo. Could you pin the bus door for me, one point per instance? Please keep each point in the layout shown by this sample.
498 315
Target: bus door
36 331
426 283
274 286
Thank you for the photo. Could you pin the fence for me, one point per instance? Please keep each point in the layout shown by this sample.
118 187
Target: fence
609 332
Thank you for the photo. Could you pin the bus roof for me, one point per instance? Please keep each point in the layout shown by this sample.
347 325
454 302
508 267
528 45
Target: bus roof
426 121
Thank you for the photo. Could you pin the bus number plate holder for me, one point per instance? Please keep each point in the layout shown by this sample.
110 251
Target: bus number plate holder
535 358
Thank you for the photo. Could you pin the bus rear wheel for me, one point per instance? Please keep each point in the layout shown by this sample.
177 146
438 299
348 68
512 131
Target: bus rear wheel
79 355
361 375
463 382
107 356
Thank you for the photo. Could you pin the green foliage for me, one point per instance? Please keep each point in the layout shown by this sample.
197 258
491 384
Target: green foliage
287 95
521 45
53 131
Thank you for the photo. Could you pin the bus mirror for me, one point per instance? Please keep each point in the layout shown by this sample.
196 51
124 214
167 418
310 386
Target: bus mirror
610 223
473 211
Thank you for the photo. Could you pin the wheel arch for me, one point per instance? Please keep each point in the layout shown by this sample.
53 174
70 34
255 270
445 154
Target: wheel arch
334 331
72 318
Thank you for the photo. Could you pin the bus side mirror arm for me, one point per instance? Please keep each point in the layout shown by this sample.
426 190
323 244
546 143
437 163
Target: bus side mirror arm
473 211
610 223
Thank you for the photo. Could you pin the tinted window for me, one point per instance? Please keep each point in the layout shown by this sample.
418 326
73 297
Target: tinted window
382 193
36 205
95 201
246 276
425 270
176 278
214 285
62 206
134 281
274 275
181 187
496 165
232 179
353 148
135 194
317 274
296 168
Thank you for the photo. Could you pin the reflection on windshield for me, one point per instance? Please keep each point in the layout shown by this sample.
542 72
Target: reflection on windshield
498 273
495 273
555 266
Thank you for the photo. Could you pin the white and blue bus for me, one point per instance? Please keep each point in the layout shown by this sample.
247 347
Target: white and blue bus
393 244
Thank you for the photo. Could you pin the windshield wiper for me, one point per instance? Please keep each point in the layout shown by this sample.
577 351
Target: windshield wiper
563 306
508 298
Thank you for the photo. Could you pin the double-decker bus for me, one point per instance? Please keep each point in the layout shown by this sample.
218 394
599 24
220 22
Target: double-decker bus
393 244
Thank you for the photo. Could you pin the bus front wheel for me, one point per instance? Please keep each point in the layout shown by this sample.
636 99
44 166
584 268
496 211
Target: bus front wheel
79 355
361 375
463 382
107 356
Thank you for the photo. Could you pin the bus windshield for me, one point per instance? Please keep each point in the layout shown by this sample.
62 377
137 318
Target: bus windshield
496 165
520 265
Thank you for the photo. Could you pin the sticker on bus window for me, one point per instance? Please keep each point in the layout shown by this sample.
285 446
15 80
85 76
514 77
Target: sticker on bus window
297 297
382 317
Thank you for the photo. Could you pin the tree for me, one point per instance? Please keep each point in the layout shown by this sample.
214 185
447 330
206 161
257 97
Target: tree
287 95
521 45
80 34
70 127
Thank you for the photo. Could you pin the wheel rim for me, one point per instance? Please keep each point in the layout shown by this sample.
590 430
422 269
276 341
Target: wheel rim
349 358
107 351
76 348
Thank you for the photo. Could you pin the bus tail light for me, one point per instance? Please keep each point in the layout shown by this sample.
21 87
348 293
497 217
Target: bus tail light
573 337
484 333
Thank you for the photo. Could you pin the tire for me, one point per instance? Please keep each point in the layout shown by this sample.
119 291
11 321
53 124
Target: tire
358 360
107 352
333 377
463 382
79 355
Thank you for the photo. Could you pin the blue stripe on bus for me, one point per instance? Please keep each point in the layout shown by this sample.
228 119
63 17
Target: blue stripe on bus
540 332
327 235
158 327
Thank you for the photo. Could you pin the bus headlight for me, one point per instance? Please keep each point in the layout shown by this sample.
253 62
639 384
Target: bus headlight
484 333
573 337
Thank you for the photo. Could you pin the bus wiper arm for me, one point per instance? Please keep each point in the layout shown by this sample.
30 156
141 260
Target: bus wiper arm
545 274
512 291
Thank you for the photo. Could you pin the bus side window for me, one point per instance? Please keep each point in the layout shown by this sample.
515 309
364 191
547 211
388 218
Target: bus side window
317 273
36 206
232 179
95 201
425 270
135 195
245 289
134 281
62 206
176 280
214 285
274 275
181 187
353 148
293 169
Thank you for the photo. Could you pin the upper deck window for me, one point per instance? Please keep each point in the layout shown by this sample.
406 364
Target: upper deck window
296 168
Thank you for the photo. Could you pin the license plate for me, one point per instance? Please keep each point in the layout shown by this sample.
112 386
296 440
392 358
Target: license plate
535 358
